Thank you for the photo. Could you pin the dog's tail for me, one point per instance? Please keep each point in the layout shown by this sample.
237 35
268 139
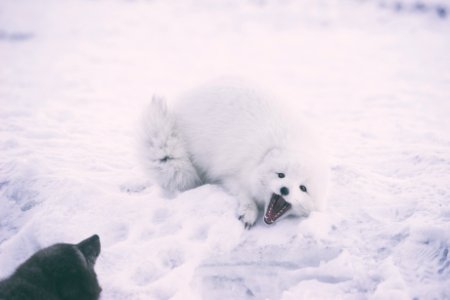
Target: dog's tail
163 150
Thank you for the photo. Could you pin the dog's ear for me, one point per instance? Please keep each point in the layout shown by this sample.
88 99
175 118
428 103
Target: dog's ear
90 248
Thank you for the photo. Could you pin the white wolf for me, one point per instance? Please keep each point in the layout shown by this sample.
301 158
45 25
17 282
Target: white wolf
233 135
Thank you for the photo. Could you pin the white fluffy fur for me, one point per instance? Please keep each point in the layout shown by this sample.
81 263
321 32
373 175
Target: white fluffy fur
164 152
235 136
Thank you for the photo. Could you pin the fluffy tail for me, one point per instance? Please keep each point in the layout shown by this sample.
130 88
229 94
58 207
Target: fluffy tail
164 152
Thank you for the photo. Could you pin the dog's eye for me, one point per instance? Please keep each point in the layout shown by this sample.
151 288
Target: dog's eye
303 188
281 175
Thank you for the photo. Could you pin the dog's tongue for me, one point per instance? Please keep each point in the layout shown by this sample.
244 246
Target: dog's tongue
277 207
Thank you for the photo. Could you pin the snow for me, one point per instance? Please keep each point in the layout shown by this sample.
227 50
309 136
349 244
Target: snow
374 80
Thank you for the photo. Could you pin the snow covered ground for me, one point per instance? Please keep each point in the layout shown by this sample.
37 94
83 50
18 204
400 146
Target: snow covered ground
372 78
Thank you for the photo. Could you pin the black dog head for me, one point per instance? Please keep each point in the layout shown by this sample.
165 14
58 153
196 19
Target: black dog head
65 271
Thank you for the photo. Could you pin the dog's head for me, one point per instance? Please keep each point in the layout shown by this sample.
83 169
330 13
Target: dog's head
69 268
290 184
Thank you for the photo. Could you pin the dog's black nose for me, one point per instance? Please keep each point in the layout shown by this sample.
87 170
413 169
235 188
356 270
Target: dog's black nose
284 191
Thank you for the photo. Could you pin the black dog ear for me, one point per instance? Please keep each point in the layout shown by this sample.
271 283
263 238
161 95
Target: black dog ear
90 248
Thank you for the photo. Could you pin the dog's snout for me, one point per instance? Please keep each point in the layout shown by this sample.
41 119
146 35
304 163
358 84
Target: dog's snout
284 191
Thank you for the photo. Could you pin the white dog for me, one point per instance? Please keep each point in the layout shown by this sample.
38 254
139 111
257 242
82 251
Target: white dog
235 136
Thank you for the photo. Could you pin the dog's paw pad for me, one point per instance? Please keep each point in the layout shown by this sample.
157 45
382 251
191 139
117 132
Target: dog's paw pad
248 217
248 225
248 213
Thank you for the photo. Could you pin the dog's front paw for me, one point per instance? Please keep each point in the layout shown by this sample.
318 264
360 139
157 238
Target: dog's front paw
248 214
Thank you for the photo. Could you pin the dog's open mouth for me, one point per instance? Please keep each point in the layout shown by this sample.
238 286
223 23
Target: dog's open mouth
277 207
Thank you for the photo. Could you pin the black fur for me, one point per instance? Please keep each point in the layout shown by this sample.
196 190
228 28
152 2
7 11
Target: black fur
59 272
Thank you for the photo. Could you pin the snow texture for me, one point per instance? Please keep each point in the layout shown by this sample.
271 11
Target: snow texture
371 77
